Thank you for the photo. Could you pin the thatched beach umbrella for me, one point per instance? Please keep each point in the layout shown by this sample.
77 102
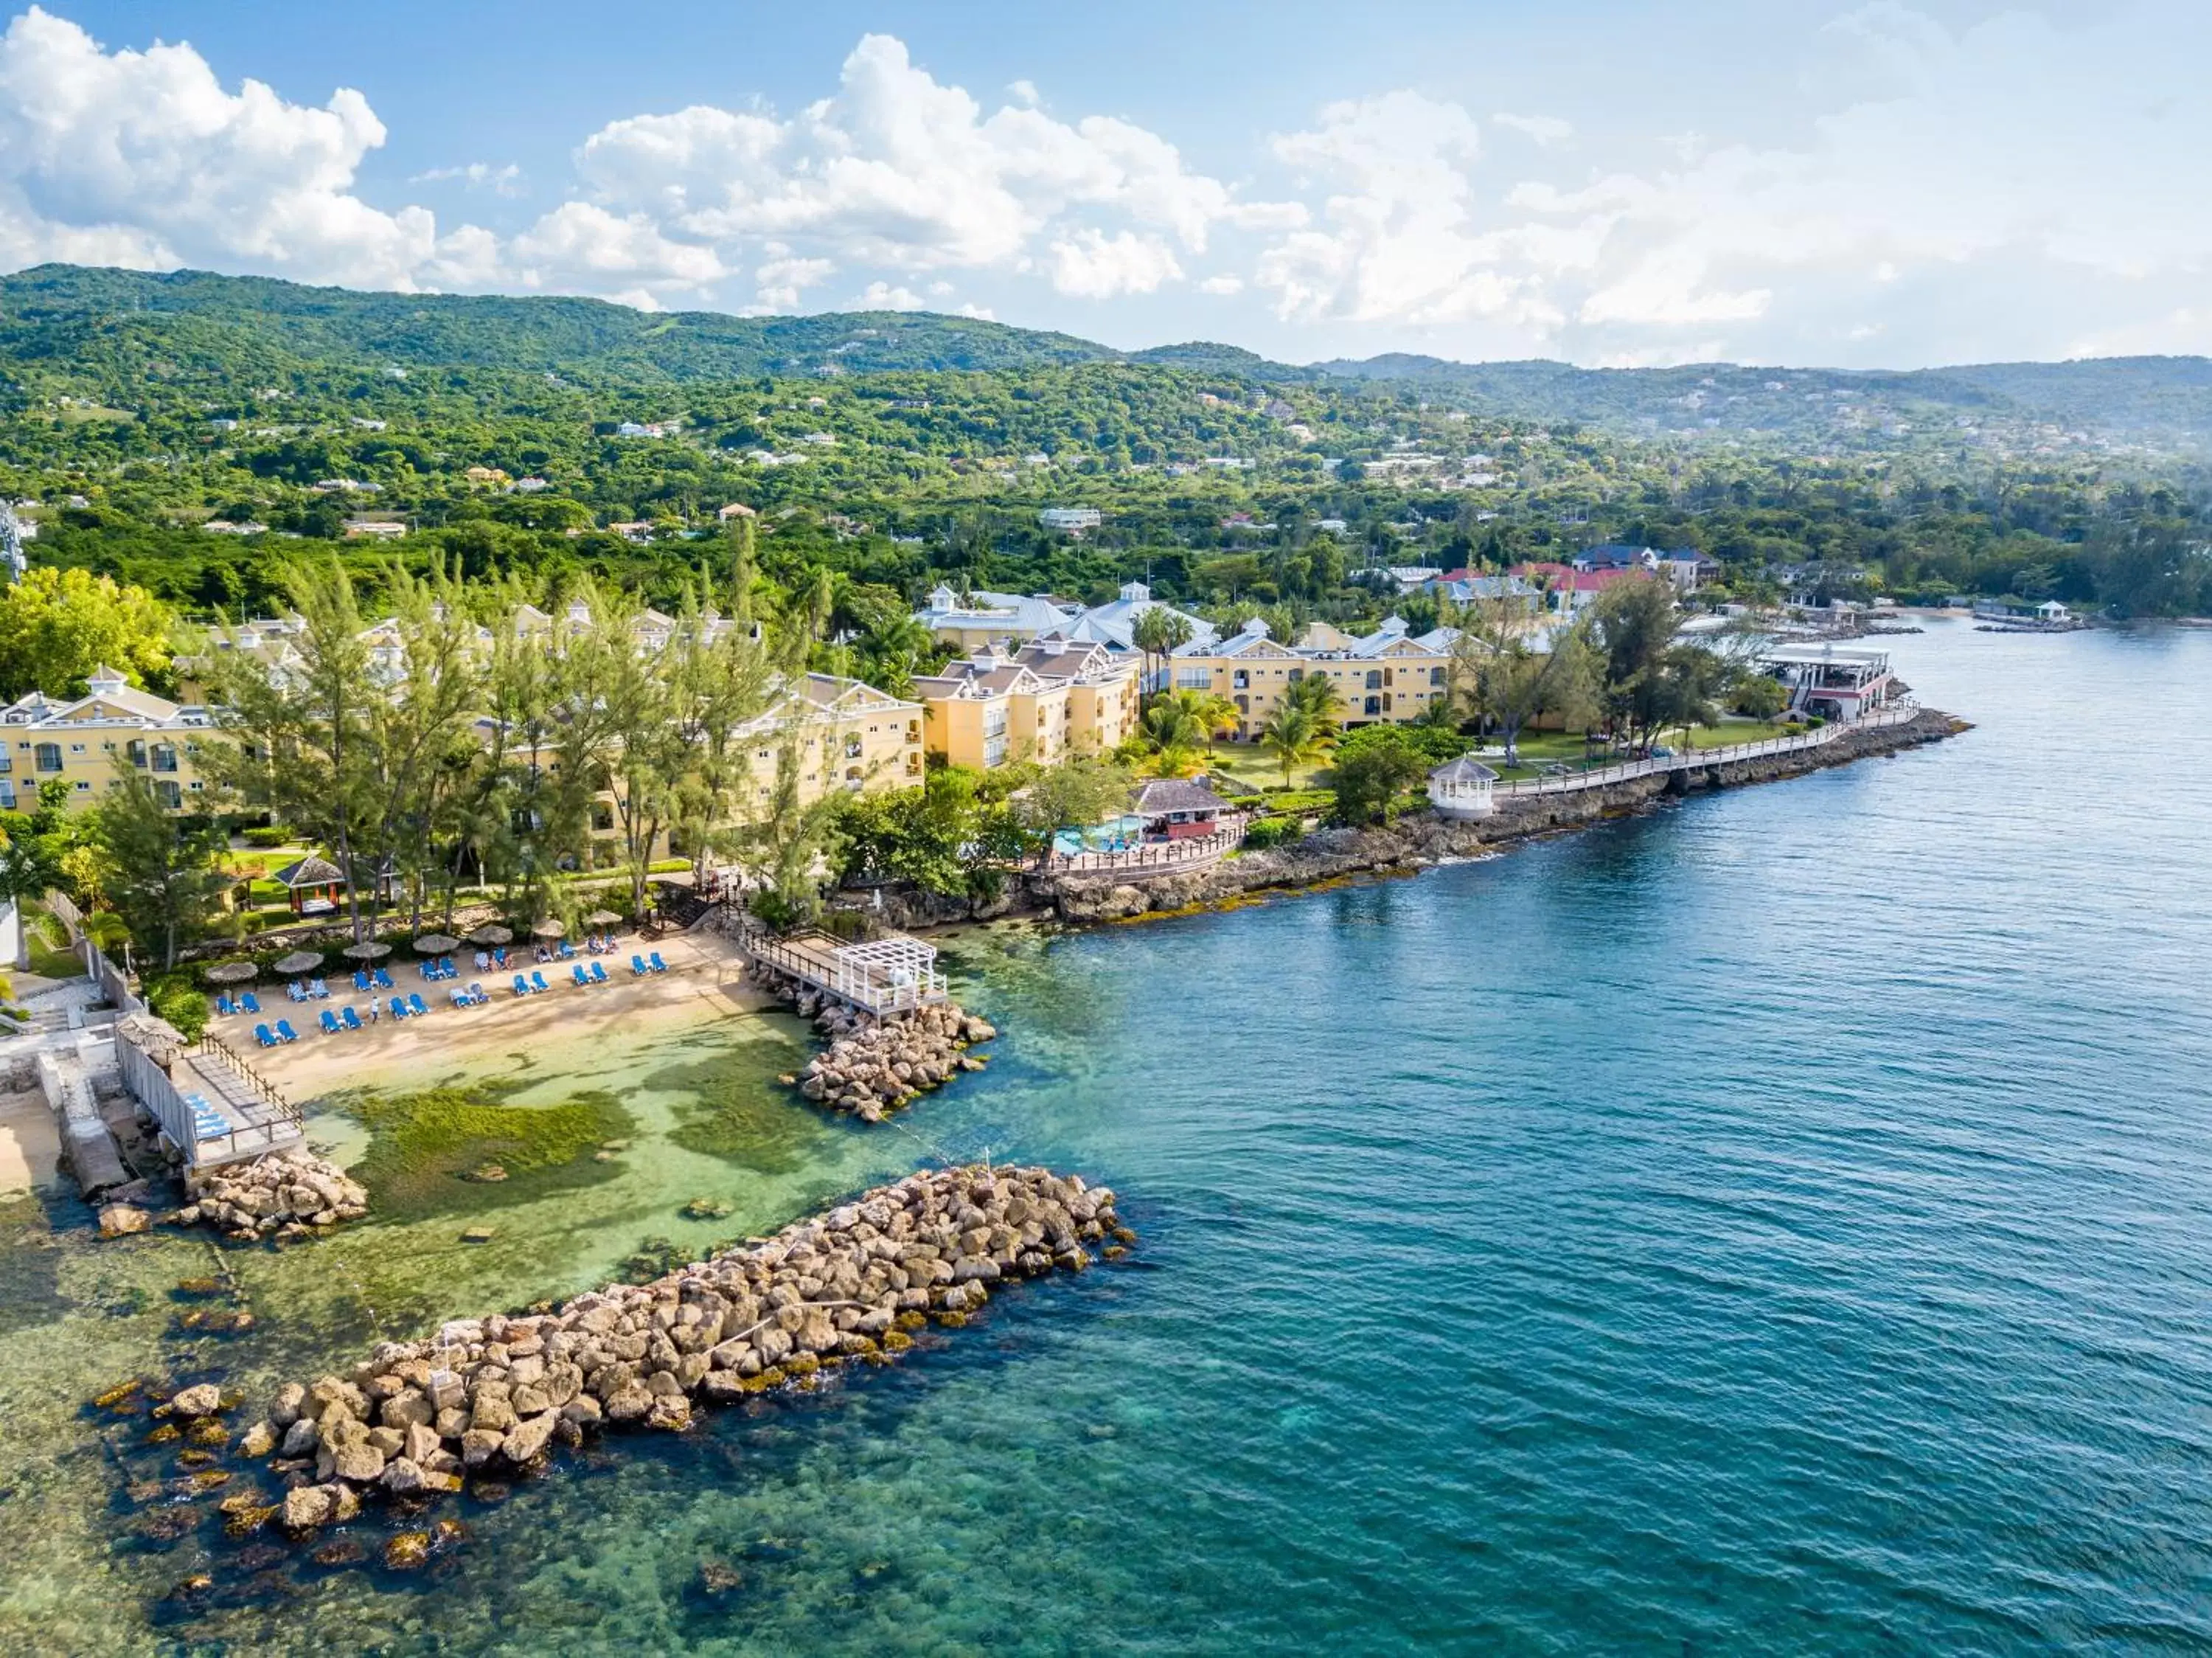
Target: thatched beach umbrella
492 933
299 961
601 919
368 950
231 973
550 928
436 944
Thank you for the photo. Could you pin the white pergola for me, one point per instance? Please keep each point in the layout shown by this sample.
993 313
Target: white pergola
896 972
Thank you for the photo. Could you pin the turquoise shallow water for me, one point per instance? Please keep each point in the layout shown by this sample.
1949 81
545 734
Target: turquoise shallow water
1777 1224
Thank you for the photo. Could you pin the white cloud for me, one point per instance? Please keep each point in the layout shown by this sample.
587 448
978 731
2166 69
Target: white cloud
1546 130
781 281
1092 265
1398 239
1023 92
1960 192
578 245
901 172
885 297
141 158
476 175
1224 283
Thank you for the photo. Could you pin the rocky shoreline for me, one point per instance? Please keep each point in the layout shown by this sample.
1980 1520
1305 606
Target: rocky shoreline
487 1398
874 1066
1423 839
1413 842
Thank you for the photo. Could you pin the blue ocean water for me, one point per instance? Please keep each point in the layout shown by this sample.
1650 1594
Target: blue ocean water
1781 1224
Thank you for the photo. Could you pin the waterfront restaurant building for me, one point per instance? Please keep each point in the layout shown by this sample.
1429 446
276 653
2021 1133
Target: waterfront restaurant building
1836 682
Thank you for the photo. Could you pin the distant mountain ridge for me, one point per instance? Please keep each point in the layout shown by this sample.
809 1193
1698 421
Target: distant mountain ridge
57 314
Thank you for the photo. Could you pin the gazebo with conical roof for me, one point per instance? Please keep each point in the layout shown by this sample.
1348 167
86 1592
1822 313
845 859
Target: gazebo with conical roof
313 880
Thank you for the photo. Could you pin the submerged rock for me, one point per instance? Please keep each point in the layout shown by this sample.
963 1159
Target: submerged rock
203 1401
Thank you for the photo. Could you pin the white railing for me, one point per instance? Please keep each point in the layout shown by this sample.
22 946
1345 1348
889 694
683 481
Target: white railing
1151 858
1697 759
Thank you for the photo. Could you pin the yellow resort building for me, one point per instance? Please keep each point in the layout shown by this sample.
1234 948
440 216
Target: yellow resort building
89 742
852 737
1388 677
1054 698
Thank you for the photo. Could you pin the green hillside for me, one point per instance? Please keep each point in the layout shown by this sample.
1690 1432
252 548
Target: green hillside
191 324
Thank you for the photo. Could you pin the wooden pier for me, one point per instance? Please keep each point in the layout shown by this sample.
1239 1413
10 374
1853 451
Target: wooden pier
893 974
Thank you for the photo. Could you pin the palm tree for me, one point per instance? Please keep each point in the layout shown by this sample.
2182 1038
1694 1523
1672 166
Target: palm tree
1317 695
892 649
1295 738
1216 714
1158 632
1173 735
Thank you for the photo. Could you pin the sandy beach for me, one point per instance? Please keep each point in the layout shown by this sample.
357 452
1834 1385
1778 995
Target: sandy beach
703 981
30 1144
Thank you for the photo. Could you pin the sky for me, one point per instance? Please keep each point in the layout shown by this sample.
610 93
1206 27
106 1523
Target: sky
1787 181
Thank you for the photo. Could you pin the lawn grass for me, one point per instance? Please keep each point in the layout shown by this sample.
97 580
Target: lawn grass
1247 762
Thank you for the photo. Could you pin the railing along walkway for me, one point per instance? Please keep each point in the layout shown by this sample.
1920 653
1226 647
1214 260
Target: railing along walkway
811 957
1697 758
1153 857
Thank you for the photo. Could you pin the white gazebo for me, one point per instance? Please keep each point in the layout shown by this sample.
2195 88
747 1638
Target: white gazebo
1461 789
884 973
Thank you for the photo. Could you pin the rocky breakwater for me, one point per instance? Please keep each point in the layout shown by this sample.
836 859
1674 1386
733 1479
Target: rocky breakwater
487 1397
289 1194
873 1066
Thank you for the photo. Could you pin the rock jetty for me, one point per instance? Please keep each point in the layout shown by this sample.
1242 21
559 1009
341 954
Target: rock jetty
486 1397
289 1194
874 1065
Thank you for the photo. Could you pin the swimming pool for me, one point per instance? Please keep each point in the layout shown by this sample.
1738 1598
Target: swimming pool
1127 830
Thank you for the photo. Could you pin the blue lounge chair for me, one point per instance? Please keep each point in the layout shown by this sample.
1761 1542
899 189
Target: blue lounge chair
478 995
207 1122
521 986
319 989
583 979
296 991
537 981
659 966
446 969
383 980
637 967
599 974
223 1004
567 952
398 1009
415 1005
261 1035
249 1003
352 1019
285 1032
360 979
331 1026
